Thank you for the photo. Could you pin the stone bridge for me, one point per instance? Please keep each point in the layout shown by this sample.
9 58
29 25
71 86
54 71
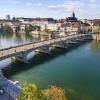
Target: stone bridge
20 52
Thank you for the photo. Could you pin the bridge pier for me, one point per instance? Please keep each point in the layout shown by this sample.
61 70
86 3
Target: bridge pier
44 49
84 38
61 44
22 57
80 39
71 42
89 37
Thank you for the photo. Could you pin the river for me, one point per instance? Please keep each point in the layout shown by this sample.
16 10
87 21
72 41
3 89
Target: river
76 70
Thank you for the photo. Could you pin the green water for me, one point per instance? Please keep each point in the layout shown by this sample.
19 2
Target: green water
77 71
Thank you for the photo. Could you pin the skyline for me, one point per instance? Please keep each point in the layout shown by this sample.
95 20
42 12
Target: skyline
50 8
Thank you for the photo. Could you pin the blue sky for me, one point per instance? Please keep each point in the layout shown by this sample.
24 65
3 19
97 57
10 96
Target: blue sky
50 8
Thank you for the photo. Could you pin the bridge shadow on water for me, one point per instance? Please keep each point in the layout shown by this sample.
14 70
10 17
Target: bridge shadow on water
38 59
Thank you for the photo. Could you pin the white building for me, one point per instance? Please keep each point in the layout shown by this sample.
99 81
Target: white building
44 23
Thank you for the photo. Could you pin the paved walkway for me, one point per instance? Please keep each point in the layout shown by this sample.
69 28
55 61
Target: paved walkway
10 90
8 52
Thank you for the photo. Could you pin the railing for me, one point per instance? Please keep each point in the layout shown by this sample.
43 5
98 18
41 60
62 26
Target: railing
26 47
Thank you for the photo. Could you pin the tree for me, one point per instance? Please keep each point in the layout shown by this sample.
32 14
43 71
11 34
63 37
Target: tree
6 28
54 93
28 29
17 29
31 92
38 28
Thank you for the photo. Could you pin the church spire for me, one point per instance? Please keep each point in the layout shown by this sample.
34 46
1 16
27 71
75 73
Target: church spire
73 14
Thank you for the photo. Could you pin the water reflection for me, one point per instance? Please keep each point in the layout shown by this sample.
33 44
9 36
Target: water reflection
95 46
14 39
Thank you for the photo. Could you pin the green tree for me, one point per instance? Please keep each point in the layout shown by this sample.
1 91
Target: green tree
7 28
28 29
31 92
54 93
38 28
17 29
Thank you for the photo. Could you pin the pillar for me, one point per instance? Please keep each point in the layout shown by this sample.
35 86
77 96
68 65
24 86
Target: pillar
44 49
61 44
22 57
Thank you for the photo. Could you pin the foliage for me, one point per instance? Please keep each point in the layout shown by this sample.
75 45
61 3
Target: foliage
54 93
17 29
31 92
38 28
28 29
7 28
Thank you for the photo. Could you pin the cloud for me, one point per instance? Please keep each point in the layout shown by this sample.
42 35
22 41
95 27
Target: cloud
28 3
92 1
35 4
82 8
68 5
39 4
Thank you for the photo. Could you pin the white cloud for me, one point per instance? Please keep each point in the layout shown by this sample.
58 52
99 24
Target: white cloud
39 4
68 5
36 4
28 3
82 8
92 1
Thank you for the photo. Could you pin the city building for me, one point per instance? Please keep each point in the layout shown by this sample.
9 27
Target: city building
64 26
96 26
44 23
73 22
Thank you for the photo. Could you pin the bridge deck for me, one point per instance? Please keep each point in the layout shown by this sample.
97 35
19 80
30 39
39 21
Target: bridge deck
34 45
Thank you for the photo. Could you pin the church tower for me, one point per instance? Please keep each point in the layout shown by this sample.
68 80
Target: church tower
73 15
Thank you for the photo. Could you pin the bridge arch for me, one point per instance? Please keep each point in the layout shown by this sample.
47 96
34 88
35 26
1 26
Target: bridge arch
21 52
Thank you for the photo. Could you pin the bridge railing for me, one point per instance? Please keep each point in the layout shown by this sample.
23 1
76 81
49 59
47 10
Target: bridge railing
25 47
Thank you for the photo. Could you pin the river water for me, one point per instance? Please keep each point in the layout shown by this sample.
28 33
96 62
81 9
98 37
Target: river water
77 70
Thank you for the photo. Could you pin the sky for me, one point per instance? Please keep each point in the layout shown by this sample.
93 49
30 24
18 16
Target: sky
50 8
